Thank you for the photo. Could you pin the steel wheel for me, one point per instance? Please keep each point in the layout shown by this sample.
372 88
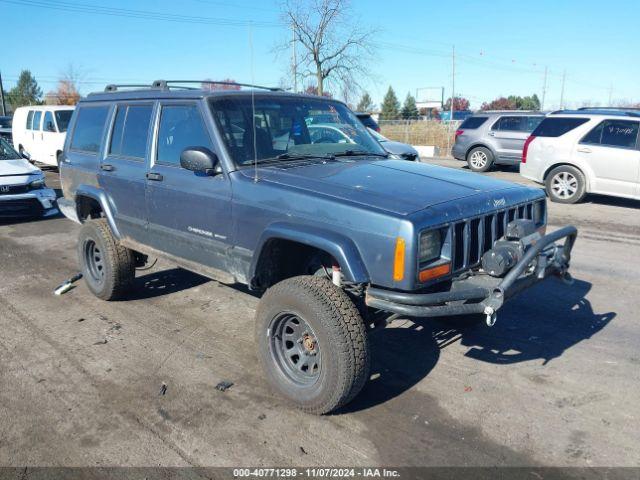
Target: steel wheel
564 185
94 260
478 159
295 349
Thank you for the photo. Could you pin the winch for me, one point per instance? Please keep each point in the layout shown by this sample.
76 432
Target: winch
506 252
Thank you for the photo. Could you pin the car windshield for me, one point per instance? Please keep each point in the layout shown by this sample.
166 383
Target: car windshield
7 152
288 128
62 119
5 122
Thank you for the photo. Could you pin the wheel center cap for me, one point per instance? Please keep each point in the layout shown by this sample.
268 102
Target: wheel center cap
309 343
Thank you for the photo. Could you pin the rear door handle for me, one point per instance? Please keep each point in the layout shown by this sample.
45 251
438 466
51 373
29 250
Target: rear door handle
107 168
492 134
156 177
584 150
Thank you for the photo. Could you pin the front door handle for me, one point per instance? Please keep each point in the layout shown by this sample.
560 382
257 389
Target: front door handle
584 150
156 177
107 168
492 134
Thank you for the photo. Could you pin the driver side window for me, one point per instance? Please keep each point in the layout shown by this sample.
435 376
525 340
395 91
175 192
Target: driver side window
181 126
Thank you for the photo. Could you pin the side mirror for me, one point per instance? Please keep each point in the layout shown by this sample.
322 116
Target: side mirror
199 160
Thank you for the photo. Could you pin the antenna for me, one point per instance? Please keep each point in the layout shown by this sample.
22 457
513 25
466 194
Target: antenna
253 108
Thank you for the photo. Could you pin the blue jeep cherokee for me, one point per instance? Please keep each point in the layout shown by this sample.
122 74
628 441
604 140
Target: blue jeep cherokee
231 184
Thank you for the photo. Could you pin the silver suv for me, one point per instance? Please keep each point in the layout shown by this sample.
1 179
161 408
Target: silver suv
494 137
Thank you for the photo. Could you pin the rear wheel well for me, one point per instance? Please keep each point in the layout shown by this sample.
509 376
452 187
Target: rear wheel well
556 165
477 145
88 208
281 259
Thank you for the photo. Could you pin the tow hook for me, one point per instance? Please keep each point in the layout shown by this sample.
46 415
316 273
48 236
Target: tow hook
492 316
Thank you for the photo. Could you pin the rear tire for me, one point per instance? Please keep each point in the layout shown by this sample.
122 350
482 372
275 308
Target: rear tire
566 184
312 343
480 159
108 268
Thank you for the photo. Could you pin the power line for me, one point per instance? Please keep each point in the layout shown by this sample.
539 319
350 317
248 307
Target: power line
138 14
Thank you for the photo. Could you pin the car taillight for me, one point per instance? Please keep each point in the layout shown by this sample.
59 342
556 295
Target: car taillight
458 133
377 129
525 150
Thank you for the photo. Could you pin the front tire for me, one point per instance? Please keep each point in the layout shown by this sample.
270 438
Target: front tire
107 267
312 343
480 159
566 184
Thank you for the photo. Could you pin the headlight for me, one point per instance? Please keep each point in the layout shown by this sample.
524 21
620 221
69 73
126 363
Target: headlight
36 184
538 213
430 245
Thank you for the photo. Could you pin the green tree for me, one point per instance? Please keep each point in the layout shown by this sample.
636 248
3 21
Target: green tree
26 92
409 109
365 104
390 106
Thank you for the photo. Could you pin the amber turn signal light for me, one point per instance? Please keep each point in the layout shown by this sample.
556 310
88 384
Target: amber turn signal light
398 260
434 272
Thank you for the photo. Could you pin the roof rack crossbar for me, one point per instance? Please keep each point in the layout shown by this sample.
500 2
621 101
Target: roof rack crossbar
164 84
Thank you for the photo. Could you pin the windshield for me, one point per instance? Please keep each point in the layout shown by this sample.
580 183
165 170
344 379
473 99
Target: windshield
6 151
62 119
5 122
289 128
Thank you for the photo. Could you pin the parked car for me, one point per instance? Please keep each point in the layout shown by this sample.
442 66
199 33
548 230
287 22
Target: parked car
5 128
39 132
335 235
402 151
23 192
494 138
585 151
368 121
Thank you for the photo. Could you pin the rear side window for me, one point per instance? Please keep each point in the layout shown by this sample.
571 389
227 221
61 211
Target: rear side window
87 133
556 127
509 124
181 126
36 120
131 131
473 122
531 123
368 121
29 119
613 133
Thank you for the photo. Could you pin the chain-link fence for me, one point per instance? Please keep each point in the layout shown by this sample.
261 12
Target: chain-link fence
421 132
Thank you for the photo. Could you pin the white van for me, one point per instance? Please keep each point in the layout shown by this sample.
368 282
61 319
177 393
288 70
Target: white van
39 132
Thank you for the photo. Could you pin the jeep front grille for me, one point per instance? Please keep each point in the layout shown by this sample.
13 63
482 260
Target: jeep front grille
473 237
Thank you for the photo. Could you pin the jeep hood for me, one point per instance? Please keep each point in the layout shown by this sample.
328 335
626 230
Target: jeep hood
395 186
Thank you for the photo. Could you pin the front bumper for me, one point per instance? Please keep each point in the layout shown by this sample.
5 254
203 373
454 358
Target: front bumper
482 293
36 203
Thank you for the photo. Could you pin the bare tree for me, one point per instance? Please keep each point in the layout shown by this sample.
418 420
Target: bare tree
335 49
67 92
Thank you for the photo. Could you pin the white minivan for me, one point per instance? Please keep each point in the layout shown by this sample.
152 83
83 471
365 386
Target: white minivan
39 132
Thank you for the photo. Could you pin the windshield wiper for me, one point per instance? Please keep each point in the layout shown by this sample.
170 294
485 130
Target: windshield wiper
358 153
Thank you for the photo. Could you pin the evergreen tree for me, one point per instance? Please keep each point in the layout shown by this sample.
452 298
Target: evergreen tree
26 92
409 109
390 106
365 104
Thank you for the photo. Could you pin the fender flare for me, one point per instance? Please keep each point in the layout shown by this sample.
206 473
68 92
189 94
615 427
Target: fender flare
341 247
99 196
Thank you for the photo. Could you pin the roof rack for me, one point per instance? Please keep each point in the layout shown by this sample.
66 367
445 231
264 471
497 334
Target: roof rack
165 84
479 112
611 108
600 111
171 84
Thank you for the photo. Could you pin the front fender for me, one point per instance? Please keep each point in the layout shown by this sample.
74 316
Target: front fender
101 197
339 246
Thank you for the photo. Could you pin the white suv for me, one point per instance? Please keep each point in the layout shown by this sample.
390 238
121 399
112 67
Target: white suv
585 151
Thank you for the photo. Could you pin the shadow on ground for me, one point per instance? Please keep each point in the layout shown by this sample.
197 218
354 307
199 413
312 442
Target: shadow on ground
541 324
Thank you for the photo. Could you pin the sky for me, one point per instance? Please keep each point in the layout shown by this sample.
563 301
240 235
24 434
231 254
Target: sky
502 47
